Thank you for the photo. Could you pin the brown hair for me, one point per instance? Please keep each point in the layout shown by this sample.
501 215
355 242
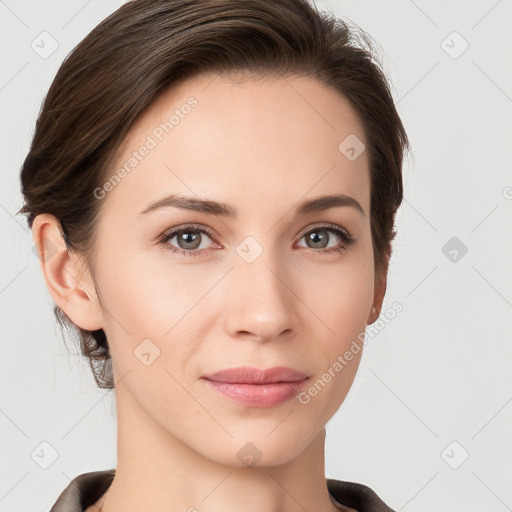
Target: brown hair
144 47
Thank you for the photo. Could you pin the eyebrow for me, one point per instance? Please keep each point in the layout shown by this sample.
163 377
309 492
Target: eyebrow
211 207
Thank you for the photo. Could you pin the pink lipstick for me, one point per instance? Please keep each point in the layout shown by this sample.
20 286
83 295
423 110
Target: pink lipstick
255 387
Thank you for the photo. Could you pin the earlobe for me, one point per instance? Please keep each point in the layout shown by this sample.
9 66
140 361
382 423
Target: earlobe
71 288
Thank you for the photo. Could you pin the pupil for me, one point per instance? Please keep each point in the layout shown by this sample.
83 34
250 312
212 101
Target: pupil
316 238
188 238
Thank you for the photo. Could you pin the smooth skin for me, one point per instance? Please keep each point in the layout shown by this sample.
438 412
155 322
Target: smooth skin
261 147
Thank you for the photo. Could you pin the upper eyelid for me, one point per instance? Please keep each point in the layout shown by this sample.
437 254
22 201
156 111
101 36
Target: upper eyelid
328 226
169 234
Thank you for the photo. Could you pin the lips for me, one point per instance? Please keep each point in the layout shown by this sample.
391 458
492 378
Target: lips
253 387
251 375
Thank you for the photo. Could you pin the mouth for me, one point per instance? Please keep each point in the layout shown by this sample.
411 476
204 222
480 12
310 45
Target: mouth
251 375
257 388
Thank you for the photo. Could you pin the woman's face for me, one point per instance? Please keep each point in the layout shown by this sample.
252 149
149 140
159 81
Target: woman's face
262 286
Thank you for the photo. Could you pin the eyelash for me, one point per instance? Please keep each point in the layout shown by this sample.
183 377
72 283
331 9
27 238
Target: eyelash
168 235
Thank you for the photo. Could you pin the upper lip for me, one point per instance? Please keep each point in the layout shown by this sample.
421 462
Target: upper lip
251 375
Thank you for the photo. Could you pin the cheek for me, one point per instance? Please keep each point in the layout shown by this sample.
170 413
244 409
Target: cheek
340 298
147 293
145 297
340 295
339 328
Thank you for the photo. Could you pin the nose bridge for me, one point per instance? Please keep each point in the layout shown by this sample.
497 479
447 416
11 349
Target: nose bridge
261 302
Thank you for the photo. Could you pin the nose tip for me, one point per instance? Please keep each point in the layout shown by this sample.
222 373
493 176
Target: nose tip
261 304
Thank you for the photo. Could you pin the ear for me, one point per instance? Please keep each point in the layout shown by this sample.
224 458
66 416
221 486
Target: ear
68 280
379 291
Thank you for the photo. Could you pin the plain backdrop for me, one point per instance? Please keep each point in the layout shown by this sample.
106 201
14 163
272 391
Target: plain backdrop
427 423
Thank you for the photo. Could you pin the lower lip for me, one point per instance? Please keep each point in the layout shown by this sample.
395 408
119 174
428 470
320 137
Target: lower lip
258 395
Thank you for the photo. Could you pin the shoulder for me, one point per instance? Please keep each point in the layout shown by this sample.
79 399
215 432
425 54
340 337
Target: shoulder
83 491
357 496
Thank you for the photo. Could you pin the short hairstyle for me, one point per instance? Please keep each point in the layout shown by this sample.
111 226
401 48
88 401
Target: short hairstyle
145 47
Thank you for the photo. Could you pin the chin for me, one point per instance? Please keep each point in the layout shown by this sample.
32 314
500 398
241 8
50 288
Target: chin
257 450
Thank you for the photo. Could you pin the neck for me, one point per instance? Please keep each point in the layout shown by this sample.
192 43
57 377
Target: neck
156 472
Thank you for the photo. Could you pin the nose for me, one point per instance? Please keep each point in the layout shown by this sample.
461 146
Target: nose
260 300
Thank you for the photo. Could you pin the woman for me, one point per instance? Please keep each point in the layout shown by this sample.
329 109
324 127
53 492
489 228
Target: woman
213 186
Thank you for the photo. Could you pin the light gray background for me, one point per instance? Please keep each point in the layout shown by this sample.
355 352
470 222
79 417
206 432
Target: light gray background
439 372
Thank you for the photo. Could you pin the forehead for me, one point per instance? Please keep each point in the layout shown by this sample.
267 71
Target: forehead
282 138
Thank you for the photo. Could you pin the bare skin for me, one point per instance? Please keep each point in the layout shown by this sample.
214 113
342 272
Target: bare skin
261 147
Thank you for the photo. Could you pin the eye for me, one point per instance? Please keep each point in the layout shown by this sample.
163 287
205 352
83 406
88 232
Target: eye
319 237
188 238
